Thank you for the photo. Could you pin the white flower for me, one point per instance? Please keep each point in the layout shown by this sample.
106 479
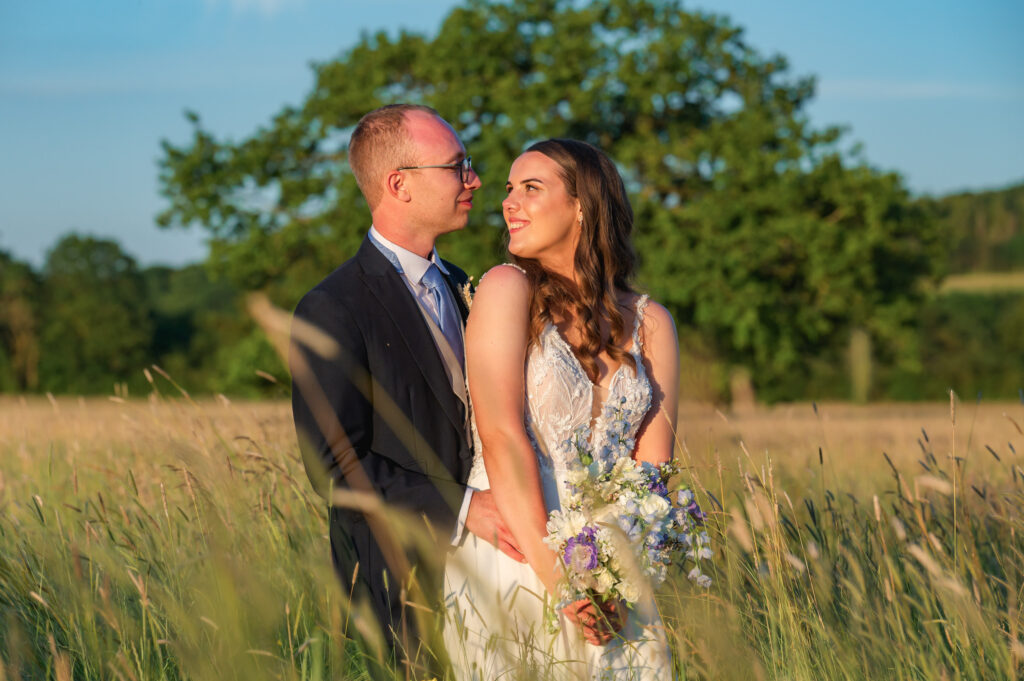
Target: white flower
562 525
629 591
607 543
633 474
654 507
577 476
603 581
575 521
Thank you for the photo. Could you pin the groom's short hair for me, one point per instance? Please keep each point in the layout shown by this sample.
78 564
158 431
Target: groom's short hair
379 144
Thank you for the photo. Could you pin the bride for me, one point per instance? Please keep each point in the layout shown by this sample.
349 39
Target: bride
553 343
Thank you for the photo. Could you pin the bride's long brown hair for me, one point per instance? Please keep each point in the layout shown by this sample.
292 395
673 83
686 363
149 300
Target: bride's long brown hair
604 260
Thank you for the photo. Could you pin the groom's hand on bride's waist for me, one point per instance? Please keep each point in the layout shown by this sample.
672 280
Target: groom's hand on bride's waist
486 522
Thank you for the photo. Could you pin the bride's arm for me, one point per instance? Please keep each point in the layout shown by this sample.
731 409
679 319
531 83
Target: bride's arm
656 438
496 346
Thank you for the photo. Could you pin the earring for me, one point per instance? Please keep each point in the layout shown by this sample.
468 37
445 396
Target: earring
579 219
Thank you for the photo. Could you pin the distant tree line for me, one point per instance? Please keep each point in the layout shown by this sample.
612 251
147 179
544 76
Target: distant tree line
91 320
983 232
788 263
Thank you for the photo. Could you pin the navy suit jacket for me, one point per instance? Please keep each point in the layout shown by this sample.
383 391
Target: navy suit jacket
396 414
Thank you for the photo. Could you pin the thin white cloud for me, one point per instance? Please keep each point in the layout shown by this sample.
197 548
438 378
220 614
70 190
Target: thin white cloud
917 90
63 86
264 7
194 71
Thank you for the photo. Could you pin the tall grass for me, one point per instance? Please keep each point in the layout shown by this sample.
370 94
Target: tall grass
161 540
170 539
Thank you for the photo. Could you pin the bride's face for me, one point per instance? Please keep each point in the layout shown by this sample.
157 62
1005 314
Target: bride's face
542 218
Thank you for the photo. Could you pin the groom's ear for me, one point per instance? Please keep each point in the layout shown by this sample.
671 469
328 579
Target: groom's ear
394 184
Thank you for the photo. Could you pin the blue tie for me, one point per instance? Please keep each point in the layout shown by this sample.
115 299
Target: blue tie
450 325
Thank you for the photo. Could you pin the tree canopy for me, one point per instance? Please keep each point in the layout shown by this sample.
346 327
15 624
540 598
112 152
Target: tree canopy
984 231
756 229
95 319
19 344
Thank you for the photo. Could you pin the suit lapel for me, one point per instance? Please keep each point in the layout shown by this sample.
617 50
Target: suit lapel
385 284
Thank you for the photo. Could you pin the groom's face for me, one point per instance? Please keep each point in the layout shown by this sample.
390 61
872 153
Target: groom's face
441 201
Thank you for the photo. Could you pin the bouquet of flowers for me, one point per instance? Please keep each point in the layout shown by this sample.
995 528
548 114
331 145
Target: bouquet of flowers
623 523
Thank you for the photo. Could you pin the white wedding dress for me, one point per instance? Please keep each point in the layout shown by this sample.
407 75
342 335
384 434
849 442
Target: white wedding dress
496 607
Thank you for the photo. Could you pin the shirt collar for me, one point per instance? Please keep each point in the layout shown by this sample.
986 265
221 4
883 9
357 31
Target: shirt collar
405 261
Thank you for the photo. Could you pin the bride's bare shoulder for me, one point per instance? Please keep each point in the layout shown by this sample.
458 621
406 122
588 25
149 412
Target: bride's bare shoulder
500 313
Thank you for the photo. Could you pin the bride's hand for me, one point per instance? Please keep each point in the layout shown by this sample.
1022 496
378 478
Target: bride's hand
598 623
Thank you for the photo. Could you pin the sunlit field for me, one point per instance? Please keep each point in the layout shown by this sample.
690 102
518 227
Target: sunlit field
984 282
164 538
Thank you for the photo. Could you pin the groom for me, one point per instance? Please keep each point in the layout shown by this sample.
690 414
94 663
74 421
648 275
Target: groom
378 387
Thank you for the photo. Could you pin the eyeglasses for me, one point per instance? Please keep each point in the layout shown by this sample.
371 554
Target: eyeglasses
465 167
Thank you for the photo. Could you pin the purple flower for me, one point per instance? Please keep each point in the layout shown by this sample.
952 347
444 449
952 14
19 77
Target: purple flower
581 551
694 510
658 487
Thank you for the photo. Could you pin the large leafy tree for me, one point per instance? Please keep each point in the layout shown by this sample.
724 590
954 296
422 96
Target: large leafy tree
752 226
96 322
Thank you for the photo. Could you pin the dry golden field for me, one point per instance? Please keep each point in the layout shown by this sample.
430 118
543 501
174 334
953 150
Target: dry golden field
853 438
984 282
808 446
166 538
855 435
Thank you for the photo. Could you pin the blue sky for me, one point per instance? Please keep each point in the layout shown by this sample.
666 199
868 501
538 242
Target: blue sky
934 90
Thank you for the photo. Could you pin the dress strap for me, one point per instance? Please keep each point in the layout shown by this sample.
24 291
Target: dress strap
641 306
505 264
512 264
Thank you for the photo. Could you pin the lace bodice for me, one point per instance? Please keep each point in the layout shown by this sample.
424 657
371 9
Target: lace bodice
560 407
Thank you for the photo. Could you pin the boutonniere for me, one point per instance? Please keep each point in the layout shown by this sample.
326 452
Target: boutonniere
467 293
